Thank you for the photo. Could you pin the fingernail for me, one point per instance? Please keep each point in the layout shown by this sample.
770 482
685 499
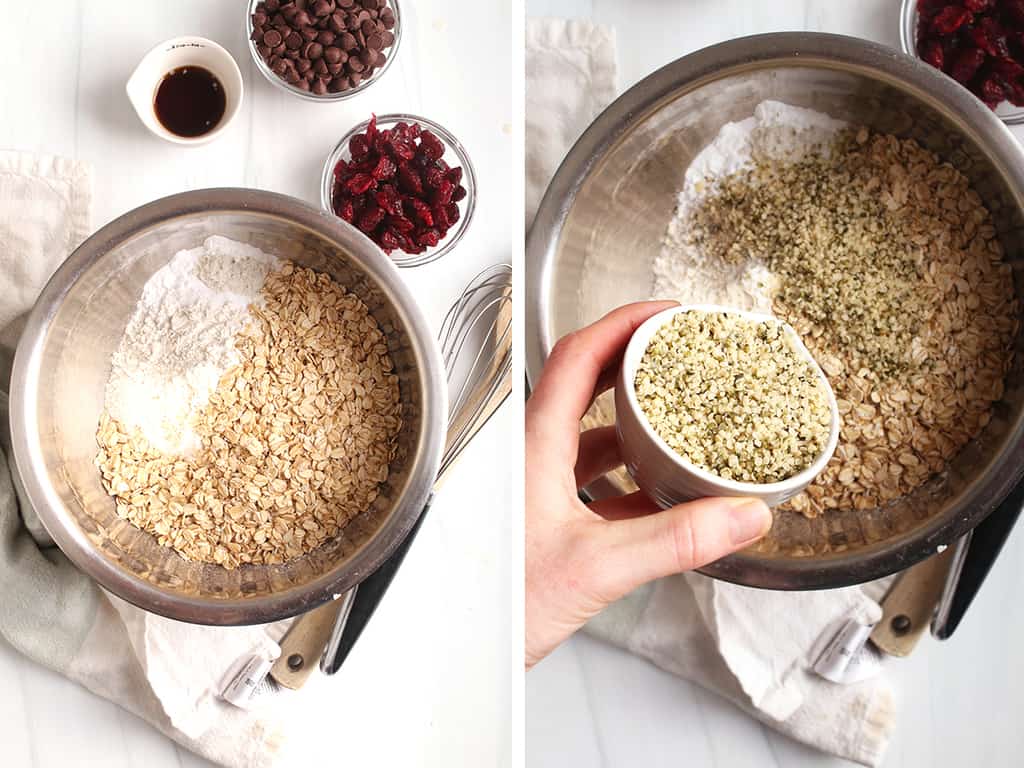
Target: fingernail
749 519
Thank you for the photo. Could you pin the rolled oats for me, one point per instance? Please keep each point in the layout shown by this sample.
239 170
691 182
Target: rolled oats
296 440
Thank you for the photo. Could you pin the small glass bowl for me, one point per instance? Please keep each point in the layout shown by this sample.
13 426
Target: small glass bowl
452 147
1006 112
261 65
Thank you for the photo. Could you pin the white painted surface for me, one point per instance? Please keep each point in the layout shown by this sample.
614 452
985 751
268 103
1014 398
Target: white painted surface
593 705
436 679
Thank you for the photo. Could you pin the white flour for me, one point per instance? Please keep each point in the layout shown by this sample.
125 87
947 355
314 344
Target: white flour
681 270
181 339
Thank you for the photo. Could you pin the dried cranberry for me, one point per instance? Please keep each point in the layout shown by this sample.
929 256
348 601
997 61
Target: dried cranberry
409 180
433 177
992 93
371 219
397 187
950 19
990 36
421 211
966 64
428 238
1007 69
388 241
401 148
977 6
431 146
933 53
345 209
358 147
384 169
360 183
1014 9
443 195
401 224
441 218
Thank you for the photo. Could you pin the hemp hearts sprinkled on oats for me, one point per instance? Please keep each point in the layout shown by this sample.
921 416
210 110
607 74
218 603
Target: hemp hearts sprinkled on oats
734 396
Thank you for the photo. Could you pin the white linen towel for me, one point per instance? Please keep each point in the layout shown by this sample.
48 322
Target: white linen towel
754 647
164 671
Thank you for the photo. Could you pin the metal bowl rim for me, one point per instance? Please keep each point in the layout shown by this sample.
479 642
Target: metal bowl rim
684 75
73 541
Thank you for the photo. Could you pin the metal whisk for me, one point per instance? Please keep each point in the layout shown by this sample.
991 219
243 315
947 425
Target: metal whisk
476 344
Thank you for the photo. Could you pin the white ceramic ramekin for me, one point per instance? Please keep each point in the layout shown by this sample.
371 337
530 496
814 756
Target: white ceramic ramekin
663 474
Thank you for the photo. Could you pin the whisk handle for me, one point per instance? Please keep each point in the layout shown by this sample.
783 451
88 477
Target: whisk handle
368 595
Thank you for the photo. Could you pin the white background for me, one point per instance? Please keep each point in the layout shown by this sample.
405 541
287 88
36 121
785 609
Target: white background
592 705
436 678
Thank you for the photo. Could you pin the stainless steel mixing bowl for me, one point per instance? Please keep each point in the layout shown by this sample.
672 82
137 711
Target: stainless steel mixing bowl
602 219
61 367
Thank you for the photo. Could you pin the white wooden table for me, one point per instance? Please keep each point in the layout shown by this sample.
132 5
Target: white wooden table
436 679
593 705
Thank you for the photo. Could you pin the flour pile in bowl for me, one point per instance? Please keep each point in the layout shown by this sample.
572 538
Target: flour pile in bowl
251 410
886 263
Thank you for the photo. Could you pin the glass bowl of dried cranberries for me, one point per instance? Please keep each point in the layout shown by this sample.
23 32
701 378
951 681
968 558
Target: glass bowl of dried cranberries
979 43
323 50
404 181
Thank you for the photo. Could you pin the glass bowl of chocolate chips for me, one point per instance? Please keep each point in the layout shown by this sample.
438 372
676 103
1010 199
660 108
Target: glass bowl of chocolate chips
323 50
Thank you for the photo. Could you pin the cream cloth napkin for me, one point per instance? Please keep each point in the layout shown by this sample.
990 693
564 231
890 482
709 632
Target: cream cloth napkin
167 672
754 647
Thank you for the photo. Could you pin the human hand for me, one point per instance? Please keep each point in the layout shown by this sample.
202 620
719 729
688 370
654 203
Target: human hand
582 557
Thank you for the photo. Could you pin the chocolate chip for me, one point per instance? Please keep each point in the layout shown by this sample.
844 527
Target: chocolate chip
323 44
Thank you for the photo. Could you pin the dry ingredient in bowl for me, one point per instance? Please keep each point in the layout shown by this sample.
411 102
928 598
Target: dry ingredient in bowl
293 442
885 262
397 187
734 396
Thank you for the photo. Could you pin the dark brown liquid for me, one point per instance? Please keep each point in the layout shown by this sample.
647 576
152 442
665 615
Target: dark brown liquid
190 101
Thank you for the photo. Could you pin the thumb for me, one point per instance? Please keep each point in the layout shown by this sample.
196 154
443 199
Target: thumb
678 539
